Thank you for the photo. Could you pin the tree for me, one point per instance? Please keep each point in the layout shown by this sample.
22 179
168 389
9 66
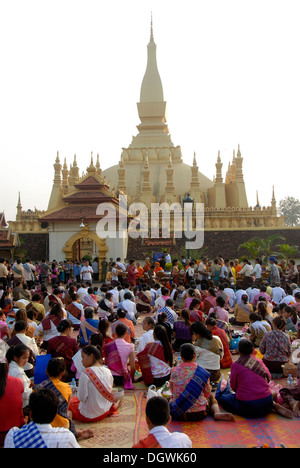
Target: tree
252 247
258 247
287 252
289 207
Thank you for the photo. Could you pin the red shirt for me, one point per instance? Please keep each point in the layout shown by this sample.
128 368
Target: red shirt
11 405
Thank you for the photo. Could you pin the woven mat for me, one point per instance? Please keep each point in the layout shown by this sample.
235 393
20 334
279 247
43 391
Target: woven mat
118 430
243 433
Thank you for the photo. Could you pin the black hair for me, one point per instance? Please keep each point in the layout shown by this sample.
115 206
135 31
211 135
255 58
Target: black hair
187 351
103 326
161 335
185 314
64 325
16 351
220 301
56 366
200 329
20 326
279 322
127 295
246 347
43 404
121 329
3 376
121 313
158 411
93 350
169 302
88 312
96 339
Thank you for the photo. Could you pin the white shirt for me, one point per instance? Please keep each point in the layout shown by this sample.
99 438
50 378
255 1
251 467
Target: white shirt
130 308
239 295
115 293
145 339
159 302
82 292
224 272
168 258
288 300
122 293
256 271
232 296
252 292
121 266
47 334
27 274
278 294
168 439
29 342
246 270
54 437
86 273
208 359
92 403
15 370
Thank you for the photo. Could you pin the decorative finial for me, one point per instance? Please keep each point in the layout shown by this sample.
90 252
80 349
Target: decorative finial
151 29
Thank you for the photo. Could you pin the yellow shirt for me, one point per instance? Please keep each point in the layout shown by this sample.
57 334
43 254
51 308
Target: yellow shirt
66 391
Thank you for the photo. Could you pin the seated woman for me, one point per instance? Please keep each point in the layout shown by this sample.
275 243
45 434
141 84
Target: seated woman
242 311
276 348
291 319
106 307
181 330
87 326
210 300
144 299
103 328
263 310
75 311
190 295
90 299
211 324
248 393
219 309
11 401
17 358
64 346
258 328
117 354
95 400
162 319
156 360
209 350
96 339
195 312
191 391
47 329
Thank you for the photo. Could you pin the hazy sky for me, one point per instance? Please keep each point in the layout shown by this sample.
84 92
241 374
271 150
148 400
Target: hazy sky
71 73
